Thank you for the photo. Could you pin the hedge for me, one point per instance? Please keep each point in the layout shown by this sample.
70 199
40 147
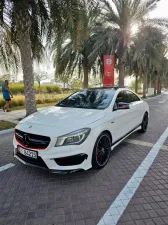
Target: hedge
19 100
19 89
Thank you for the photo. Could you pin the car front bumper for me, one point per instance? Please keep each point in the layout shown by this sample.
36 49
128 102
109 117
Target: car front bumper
60 159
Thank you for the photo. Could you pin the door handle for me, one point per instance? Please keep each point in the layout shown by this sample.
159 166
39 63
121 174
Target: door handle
112 121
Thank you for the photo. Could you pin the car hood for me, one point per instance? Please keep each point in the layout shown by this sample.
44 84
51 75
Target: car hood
64 119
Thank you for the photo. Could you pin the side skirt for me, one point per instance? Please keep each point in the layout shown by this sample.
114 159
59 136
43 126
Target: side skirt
123 138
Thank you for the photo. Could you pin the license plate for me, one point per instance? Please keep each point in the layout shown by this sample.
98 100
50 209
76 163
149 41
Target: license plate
28 153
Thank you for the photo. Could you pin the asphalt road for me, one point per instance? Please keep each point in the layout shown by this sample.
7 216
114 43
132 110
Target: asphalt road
33 196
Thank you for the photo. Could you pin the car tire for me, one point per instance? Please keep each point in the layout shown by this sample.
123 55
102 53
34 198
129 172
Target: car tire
101 151
144 124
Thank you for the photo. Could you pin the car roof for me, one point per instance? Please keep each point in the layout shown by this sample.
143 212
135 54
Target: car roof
112 88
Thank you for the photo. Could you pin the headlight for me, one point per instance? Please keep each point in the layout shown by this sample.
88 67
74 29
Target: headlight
74 138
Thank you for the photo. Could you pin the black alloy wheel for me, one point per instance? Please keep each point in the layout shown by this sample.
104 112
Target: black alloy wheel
144 125
102 150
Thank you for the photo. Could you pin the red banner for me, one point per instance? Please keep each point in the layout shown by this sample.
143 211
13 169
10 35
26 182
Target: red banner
108 71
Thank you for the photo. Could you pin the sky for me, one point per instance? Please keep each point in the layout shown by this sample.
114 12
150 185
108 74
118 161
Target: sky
162 10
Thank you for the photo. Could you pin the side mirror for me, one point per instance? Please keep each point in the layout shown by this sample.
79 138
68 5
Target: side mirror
122 106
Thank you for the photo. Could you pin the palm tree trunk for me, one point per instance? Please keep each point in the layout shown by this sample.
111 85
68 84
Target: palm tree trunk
23 34
155 85
159 86
144 85
101 69
150 82
86 76
155 88
39 87
136 83
28 76
121 68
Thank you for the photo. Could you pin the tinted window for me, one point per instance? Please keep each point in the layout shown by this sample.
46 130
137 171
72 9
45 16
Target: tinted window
122 97
89 99
132 97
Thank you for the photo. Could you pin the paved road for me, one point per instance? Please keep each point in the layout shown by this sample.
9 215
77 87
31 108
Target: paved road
33 196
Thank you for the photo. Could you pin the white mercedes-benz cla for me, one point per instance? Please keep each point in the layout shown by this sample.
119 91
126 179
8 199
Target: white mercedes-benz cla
81 130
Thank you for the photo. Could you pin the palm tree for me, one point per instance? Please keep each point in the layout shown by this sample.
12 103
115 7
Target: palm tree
123 15
27 20
161 75
72 60
146 54
76 26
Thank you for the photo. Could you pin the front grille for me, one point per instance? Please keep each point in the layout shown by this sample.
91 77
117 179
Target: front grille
36 162
32 140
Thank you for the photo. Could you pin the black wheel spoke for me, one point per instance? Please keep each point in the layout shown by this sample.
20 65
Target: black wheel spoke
145 123
100 154
103 150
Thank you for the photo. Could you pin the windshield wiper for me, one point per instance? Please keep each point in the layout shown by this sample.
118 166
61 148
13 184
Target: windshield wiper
62 105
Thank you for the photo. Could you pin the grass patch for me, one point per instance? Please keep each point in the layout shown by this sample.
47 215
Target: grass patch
4 125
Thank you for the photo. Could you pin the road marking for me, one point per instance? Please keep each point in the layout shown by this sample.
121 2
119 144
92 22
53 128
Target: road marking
117 208
153 97
144 143
161 102
7 166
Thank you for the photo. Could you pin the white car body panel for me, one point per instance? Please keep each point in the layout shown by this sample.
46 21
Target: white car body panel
63 120
57 121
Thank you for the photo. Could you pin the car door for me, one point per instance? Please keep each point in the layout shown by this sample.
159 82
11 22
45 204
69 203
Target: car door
136 109
122 118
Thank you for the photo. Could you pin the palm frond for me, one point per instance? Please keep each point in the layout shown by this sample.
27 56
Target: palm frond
9 52
143 8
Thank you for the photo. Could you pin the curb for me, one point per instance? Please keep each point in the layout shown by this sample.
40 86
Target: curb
8 131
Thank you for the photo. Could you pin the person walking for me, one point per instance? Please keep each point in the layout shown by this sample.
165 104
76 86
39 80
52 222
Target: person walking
7 95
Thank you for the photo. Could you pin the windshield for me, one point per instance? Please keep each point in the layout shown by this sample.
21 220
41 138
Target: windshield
89 99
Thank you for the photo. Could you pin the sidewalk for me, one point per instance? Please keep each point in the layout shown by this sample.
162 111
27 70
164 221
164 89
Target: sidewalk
13 116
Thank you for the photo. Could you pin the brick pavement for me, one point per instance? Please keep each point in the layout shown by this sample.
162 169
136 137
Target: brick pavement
149 205
33 196
157 123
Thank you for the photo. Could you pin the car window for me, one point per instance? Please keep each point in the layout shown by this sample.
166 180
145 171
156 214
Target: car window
122 97
89 99
132 97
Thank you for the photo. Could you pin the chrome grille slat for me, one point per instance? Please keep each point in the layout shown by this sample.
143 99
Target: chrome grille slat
20 136
32 140
38 141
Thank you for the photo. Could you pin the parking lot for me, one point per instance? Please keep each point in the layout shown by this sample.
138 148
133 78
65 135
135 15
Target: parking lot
30 195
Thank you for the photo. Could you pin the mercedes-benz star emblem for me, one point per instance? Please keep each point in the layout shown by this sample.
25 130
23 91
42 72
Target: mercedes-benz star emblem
26 139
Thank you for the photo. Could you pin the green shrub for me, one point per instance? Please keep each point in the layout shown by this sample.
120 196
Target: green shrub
140 92
132 85
19 89
19 100
53 89
39 101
